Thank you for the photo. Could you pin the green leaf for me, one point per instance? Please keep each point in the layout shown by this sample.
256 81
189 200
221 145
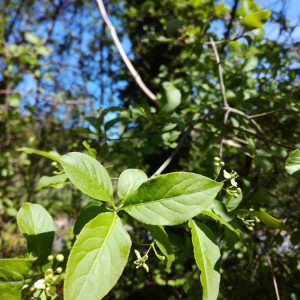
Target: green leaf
88 213
162 240
51 154
250 64
207 255
14 100
256 20
38 228
231 202
172 198
292 164
171 98
270 221
32 38
108 110
221 220
97 259
92 152
88 175
56 181
173 26
12 272
129 181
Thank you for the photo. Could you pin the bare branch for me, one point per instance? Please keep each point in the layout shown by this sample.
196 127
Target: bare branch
124 56
182 139
273 277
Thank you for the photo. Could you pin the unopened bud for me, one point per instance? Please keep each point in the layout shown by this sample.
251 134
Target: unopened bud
217 164
238 190
59 270
235 195
60 257
217 159
51 290
50 257
222 164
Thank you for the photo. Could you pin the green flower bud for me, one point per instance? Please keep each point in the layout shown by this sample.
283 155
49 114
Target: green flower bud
222 164
217 164
51 290
32 289
238 190
50 257
60 257
235 195
217 159
59 270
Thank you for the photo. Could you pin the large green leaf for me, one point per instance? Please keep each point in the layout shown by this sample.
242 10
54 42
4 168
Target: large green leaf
172 198
38 228
12 272
129 181
207 255
161 238
171 97
88 175
56 181
97 259
292 164
51 154
256 20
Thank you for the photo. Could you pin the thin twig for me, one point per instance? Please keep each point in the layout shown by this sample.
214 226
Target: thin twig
273 277
182 139
124 56
225 104
223 93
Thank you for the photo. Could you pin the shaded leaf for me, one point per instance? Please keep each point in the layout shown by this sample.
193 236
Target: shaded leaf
162 240
173 26
171 98
38 228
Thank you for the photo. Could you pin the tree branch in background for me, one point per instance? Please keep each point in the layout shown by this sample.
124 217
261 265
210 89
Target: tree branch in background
273 277
182 139
233 12
124 56
223 92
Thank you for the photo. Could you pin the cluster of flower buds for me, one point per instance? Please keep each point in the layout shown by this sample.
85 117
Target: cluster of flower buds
51 278
141 261
233 190
251 223
57 166
218 163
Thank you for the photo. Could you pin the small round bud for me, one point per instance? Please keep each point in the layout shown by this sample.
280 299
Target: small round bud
54 164
217 159
222 164
235 195
50 257
238 190
51 290
217 164
59 270
251 209
250 228
32 289
60 257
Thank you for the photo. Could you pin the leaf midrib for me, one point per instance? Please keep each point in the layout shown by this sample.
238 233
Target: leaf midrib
100 250
164 199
